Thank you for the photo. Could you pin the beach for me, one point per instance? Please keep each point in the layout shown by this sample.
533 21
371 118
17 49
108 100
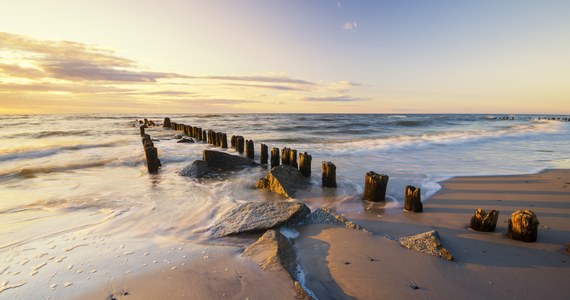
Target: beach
82 218
342 263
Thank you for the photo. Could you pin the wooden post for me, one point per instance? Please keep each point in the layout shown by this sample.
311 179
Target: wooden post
285 156
233 142
151 154
305 164
329 174
166 122
375 187
142 130
204 136
249 152
293 158
152 161
240 144
263 156
224 141
274 157
413 200
211 135
218 139
523 226
482 221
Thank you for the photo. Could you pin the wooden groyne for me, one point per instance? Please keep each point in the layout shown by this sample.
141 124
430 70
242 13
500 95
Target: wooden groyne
375 185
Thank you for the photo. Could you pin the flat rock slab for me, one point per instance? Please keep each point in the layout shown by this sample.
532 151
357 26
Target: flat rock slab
257 216
223 160
196 169
325 215
283 180
185 140
427 242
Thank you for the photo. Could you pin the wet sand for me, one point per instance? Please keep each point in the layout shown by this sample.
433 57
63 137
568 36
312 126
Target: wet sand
342 263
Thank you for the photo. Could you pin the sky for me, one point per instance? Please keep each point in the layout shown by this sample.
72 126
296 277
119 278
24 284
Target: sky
269 56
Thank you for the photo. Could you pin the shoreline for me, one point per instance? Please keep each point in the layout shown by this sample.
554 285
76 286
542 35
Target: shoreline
344 263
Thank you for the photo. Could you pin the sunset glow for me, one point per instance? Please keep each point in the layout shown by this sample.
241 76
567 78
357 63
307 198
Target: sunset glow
284 56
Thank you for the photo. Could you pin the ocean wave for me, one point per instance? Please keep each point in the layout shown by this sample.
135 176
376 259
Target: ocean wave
31 172
38 152
410 123
442 138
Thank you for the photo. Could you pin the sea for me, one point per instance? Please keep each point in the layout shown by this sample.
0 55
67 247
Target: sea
75 192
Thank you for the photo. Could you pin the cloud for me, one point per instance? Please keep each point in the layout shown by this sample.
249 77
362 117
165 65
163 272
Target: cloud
350 26
260 79
269 86
67 87
72 61
16 70
344 98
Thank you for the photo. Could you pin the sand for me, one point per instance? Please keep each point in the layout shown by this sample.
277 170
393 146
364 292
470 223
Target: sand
341 263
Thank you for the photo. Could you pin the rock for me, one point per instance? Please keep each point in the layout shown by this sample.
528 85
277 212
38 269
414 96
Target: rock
186 140
177 136
283 180
482 221
222 160
325 215
427 242
273 251
256 216
196 169
523 226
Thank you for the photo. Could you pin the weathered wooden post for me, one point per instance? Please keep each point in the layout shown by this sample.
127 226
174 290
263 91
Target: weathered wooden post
204 136
249 152
240 144
224 141
151 154
482 221
218 139
166 122
274 157
413 199
233 142
375 187
329 174
142 127
211 135
293 158
152 161
285 156
523 226
263 154
173 125
305 164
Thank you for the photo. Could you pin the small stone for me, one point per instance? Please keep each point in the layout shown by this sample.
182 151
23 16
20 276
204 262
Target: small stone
427 242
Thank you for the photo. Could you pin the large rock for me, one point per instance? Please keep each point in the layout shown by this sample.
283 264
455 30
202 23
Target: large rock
283 180
223 160
196 169
257 216
273 251
427 242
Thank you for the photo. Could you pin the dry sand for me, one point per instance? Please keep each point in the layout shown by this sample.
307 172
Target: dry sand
342 263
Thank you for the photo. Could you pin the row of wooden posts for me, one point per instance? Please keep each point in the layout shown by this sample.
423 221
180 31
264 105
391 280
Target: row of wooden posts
151 153
374 184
